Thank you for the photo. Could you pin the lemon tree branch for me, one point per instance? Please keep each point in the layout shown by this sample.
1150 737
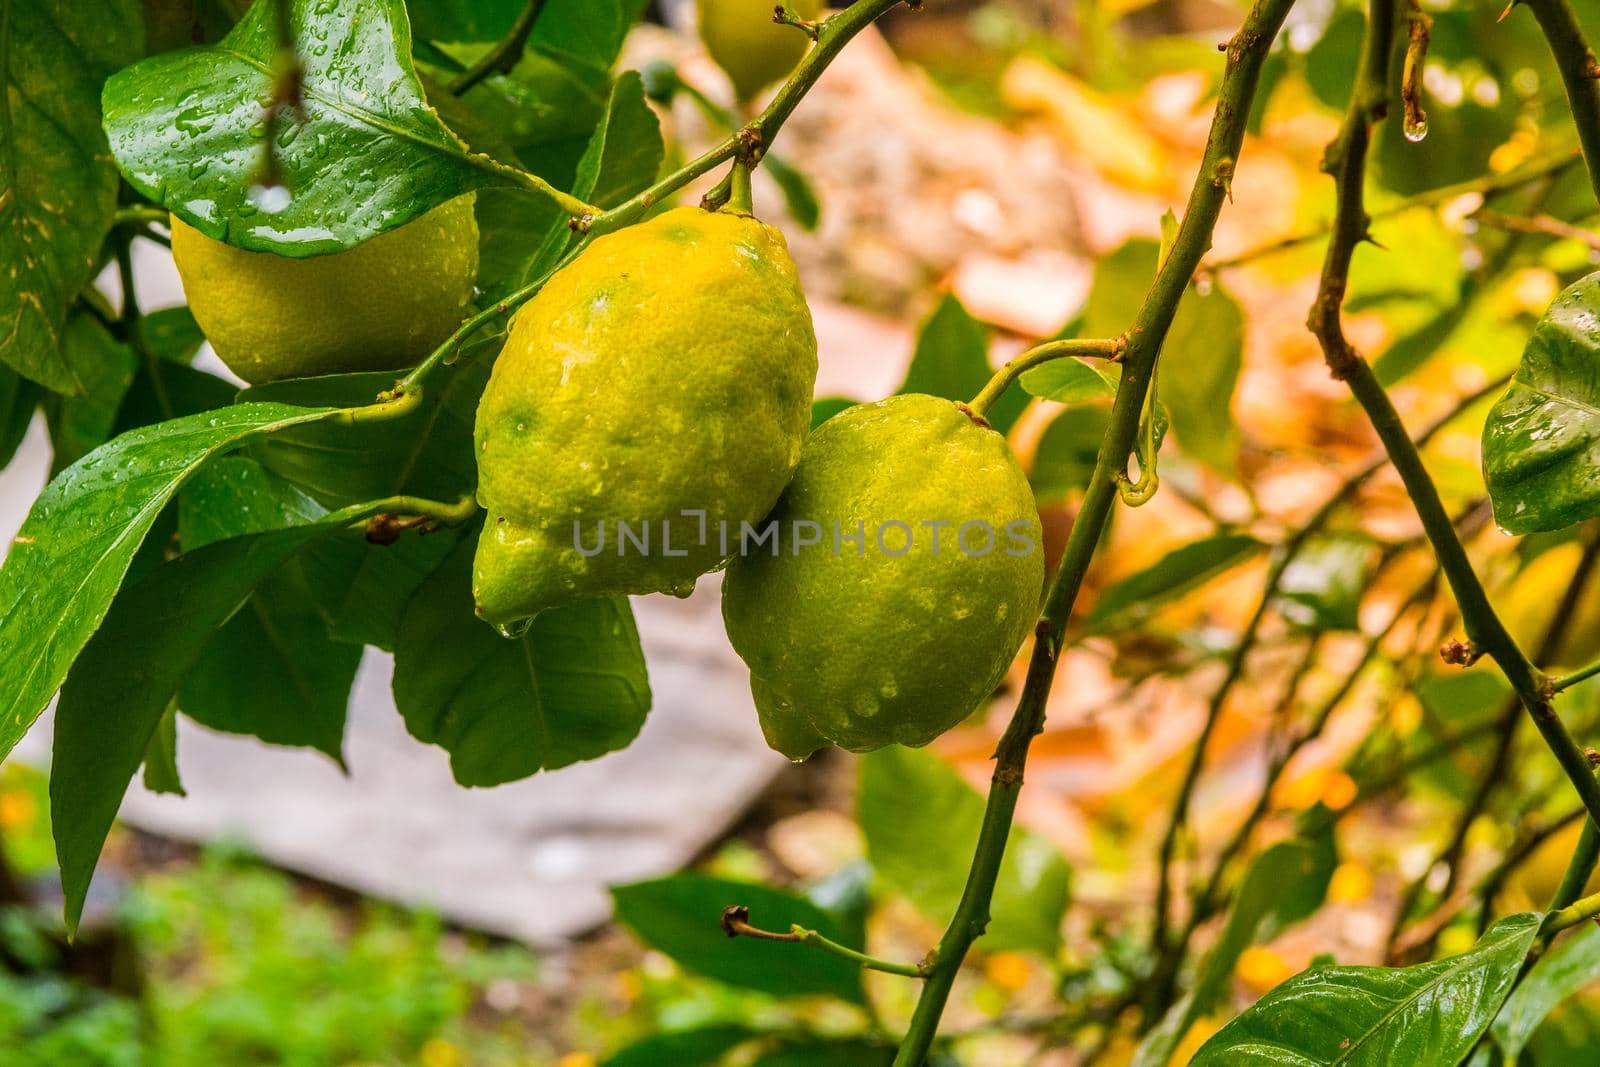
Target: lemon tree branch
1245 55
1109 348
1580 74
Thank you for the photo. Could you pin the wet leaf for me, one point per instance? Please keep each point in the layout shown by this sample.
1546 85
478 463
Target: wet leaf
58 187
1569 968
1376 1016
1541 444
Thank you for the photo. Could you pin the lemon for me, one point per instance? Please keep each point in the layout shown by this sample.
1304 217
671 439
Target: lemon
748 45
922 586
652 398
381 305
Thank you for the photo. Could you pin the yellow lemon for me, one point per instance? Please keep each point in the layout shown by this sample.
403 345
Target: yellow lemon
906 578
649 401
385 303
748 45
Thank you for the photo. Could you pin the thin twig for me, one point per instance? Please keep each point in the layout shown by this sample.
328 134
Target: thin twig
503 57
736 923
1579 74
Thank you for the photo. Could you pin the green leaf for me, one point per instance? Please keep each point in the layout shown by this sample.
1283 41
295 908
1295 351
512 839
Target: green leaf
171 390
1071 380
1200 358
188 132
1541 444
798 195
1137 596
1432 1013
161 756
1321 587
701 1047
682 917
921 821
58 189
18 399
271 671
426 453
952 361
464 20
573 687
81 423
1199 371
1064 458
72 552
1569 968
362 589
171 334
1284 884
125 679
622 158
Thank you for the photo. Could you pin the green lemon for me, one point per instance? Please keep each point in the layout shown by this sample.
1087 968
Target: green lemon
922 585
383 304
662 382
745 42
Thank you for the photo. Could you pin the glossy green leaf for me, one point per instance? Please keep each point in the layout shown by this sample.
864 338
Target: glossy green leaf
682 917
188 132
1432 1013
1321 587
952 361
362 589
1071 381
572 688
1137 596
270 671
82 422
1541 445
701 1047
72 552
58 188
1570 967
1284 884
1064 458
161 756
125 679
921 822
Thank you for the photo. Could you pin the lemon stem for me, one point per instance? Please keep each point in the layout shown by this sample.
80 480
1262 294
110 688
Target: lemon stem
1105 348
740 196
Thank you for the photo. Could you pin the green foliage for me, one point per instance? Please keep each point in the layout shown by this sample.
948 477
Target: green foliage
369 154
1565 971
1541 445
1322 586
570 688
921 823
1431 1013
89 522
952 361
679 916
58 191
1136 597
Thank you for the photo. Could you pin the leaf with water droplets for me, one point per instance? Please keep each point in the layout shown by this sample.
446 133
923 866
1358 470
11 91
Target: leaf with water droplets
70 557
367 155
1541 444
571 687
58 187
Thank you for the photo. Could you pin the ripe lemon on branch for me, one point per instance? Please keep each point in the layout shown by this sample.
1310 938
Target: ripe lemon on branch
924 583
385 303
661 381
748 45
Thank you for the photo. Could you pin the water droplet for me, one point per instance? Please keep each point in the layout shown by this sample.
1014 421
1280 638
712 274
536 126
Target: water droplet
513 631
1416 130
270 198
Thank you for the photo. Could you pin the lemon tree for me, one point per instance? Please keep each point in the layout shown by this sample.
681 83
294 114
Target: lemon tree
504 373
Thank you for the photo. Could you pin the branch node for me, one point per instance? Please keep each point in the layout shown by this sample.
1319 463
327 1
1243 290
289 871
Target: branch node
782 17
977 420
1459 653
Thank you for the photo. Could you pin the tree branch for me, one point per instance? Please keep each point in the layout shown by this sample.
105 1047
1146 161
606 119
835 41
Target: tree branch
1245 54
1580 74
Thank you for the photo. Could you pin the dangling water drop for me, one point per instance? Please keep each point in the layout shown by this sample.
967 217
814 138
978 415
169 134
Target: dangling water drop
1416 129
513 631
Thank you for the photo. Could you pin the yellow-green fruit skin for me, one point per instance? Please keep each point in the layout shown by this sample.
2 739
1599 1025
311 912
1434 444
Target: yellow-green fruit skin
748 45
869 646
666 369
384 304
